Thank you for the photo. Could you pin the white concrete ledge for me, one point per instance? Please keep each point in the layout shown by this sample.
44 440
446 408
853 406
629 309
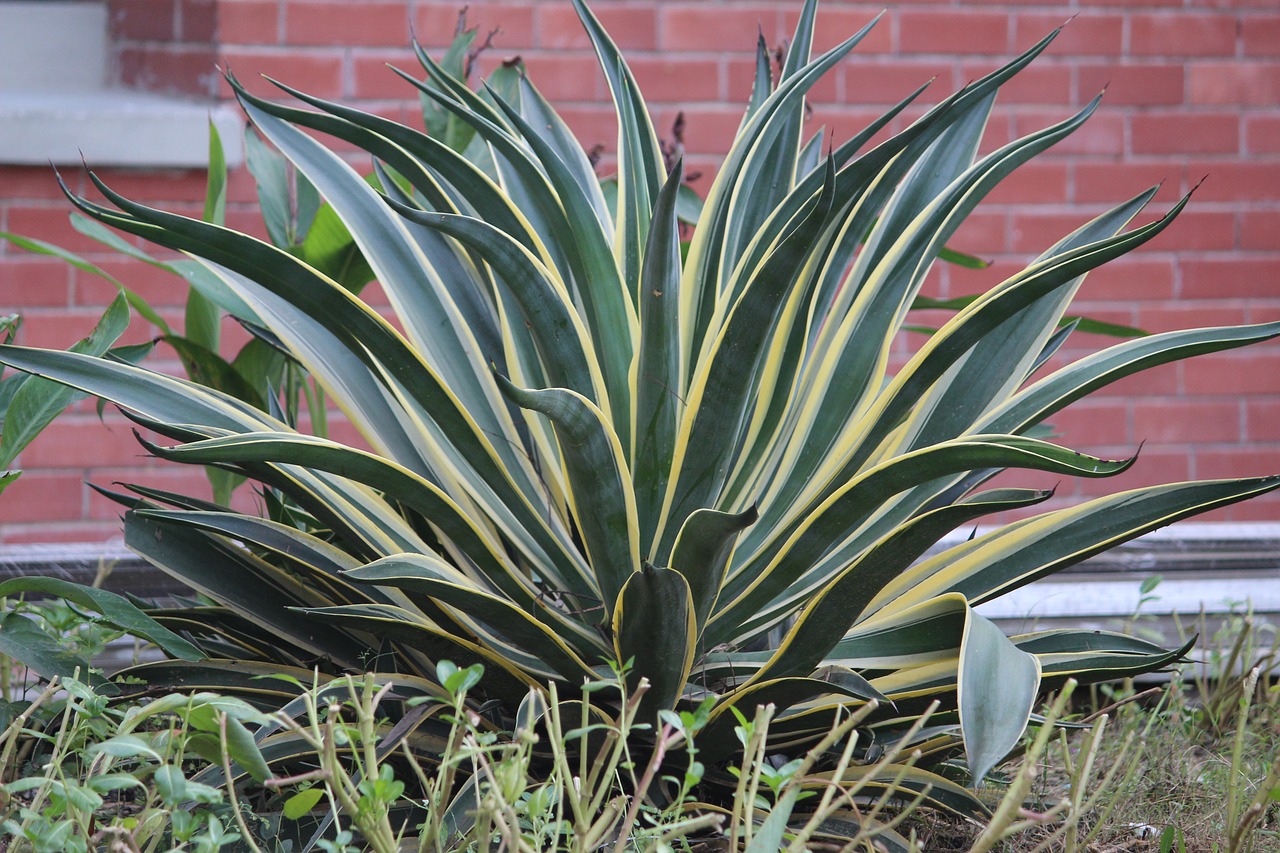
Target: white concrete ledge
106 127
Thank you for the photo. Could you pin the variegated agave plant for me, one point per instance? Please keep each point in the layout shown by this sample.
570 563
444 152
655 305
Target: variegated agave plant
582 444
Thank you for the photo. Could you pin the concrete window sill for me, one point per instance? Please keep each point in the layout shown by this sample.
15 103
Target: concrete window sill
104 127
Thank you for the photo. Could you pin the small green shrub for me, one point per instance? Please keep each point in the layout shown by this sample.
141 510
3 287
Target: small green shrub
585 442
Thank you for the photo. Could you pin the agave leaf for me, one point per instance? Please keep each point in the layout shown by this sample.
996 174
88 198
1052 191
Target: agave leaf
540 117
557 330
1076 380
1001 358
364 335
829 615
656 375
503 676
990 311
601 496
267 686
250 587
640 166
721 390
997 688
597 286
1018 553
702 552
392 480
829 533
654 631
913 637
938 791
432 321
433 577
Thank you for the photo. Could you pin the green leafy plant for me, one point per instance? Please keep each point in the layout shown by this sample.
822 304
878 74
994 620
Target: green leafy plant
28 404
581 444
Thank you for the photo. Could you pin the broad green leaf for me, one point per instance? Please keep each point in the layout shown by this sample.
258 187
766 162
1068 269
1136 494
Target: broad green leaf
996 690
601 496
654 630
702 552
24 641
115 609
38 401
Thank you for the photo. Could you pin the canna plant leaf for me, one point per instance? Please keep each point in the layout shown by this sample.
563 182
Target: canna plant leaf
579 443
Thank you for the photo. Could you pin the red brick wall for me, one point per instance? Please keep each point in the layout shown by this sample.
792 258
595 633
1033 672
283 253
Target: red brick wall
1193 92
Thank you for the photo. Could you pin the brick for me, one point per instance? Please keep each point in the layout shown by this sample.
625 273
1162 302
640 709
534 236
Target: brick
317 74
1188 421
49 222
837 23
373 79
1232 462
708 130
677 80
30 281
41 496
1035 231
1085 34
157 187
1182 35
1125 5
567 77
843 123
370 23
1251 371
1262 420
143 20
1260 35
631 27
197 20
982 233
22 534
1145 85
1252 84
172 70
1188 315
1132 278
1039 83
1185 133
887 82
1235 181
1102 134
1111 183
157 286
1200 230
1091 422
954 32
1262 134
69 443
31 183
732 29
1260 229
434 24
250 22
1032 183
592 124
1221 278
